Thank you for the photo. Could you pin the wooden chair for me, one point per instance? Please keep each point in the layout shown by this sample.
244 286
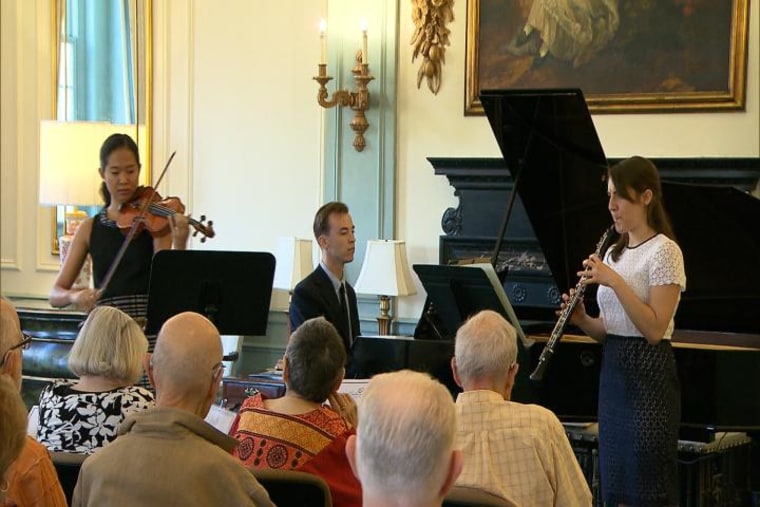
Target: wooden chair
461 496
67 465
287 487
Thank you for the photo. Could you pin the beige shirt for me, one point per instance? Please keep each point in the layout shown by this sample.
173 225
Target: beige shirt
518 452
166 456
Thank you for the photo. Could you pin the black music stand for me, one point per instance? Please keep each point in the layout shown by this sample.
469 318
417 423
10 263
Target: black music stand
458 292
232 289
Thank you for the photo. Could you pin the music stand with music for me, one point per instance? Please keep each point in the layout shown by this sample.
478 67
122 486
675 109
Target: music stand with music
232 289
458 292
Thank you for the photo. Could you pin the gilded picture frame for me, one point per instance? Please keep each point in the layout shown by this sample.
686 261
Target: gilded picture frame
643 57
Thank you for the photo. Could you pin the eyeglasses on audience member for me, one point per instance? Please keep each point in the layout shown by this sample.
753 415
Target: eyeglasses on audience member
24 344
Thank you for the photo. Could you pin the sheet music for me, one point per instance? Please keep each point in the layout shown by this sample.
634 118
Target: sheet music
220 418
354 387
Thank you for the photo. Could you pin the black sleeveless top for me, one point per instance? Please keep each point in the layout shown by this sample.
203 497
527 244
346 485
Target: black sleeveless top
133 273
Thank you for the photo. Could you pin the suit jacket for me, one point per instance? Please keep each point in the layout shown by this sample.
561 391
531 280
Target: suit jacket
315 296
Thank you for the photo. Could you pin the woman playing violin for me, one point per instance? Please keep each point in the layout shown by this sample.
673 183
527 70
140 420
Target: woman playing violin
101 237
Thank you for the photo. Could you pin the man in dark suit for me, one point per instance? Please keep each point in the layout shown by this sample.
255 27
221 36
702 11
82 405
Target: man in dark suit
325 292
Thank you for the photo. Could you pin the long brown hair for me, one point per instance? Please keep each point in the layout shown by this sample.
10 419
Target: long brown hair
632 177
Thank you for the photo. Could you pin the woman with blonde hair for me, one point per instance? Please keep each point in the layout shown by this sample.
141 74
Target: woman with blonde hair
107 356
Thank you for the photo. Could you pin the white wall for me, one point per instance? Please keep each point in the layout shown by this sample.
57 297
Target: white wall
235 98
434 126
25 99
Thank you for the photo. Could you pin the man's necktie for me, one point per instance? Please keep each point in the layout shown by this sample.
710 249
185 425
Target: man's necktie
346 314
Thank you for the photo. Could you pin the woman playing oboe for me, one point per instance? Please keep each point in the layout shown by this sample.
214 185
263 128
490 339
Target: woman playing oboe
640 279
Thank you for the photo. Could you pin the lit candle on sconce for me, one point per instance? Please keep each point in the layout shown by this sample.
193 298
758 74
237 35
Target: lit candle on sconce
363 26
323 42
358 98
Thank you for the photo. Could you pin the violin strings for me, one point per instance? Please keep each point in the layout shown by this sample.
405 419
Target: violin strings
163 209
166 211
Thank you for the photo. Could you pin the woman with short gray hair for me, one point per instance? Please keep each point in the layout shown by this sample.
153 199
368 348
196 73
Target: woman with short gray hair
297 432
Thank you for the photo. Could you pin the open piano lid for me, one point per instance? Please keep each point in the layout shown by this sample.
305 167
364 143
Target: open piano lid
553 153
551 148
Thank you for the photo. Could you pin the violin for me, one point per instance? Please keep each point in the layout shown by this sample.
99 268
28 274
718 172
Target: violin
154 212
149 210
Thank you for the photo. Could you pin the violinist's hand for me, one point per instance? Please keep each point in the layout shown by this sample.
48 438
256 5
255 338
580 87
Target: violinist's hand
85 299
345 405
598 272
579 312
180 231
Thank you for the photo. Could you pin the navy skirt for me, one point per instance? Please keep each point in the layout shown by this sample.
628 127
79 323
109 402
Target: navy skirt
639 416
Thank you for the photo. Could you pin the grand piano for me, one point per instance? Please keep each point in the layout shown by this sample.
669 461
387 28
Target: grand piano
545 206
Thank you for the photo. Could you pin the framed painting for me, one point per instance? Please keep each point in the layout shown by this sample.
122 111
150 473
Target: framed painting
626 55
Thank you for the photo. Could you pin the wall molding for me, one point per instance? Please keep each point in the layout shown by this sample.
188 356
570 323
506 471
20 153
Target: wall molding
366 180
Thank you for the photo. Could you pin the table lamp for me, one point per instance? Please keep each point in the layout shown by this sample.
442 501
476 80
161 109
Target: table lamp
385 272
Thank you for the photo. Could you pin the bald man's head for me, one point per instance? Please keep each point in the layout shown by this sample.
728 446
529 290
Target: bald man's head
186 360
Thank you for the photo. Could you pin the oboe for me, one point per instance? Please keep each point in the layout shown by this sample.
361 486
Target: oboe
559 327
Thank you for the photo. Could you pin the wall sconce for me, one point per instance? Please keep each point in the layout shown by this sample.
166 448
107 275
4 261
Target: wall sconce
358 99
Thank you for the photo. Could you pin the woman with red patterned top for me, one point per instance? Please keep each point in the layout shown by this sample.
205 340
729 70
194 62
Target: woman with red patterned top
297 432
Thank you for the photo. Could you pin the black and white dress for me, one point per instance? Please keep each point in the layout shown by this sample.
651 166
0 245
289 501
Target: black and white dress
639 391
81 422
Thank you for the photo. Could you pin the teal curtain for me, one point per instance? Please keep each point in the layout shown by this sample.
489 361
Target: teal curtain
99 34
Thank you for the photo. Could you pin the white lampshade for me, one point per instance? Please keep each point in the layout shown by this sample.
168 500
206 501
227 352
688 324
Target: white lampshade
294 262
385 270
69 160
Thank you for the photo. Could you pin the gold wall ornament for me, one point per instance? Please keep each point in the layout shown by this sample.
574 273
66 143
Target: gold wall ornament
357 99
430 37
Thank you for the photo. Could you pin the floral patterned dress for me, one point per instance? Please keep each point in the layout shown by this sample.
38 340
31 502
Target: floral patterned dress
81 422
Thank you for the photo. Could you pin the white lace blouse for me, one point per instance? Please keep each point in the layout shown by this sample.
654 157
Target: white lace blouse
657 261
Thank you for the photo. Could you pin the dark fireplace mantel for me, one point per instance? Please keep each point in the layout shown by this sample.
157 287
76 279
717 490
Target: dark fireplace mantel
477 181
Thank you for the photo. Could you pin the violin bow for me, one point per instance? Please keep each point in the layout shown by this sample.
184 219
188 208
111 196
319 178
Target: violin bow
132 231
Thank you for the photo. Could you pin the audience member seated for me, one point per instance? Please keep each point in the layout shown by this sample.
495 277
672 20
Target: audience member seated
81 416
518 452
296 432
403 451
27 475
12 430
168 455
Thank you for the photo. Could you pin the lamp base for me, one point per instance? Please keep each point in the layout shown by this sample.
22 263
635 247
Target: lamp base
84 278
384 319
